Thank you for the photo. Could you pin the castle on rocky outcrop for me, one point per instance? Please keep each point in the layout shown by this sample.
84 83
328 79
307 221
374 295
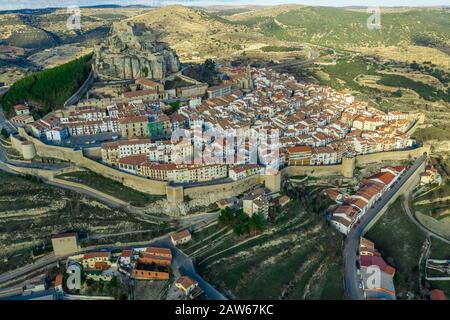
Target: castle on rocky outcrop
133 51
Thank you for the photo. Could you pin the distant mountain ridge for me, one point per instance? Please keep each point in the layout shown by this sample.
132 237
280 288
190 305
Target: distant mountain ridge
347 28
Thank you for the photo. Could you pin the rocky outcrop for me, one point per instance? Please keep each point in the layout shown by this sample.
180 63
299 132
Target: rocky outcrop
133 51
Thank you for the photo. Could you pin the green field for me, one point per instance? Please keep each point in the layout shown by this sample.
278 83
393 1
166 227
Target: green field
111 187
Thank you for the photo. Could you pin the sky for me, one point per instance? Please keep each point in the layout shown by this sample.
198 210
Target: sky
33 4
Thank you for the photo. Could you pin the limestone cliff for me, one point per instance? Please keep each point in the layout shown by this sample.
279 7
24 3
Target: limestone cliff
133 51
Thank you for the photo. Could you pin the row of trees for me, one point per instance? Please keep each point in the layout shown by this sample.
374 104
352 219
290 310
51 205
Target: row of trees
49 89
241 222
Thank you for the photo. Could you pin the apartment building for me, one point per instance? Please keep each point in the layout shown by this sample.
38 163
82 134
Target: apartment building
256 202
113 151
96 260
240 172
299 155
220 91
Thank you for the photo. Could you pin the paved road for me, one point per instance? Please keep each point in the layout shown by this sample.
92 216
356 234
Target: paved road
6 124
352 280
180 261
412 217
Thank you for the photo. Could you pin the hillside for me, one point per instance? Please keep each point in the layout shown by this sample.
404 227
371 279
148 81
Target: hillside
265 12
196 34
48 89
347 29
46 28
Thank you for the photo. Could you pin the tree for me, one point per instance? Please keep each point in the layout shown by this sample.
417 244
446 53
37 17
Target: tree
50 88
397 93
257 222
226 217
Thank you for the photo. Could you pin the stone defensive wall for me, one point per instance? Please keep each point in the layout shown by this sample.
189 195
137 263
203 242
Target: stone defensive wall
312 171
216 192
348 165
392 155
77 157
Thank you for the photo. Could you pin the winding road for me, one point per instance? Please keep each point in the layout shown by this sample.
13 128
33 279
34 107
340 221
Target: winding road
351 278
180 261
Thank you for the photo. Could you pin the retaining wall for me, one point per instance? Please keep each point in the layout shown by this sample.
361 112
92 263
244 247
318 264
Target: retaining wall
220 191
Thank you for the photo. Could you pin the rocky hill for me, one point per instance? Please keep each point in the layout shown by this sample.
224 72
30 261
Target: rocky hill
133 50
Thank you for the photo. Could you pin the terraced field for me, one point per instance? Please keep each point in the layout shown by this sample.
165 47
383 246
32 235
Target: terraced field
31 211
297 257
348 29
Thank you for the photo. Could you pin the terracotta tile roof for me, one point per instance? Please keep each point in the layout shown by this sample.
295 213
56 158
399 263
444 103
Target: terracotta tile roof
385 177
134 160
299 149
185 282
180 235
159 251
131 119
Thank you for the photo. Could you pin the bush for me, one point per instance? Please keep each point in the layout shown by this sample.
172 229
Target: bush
425 91
4 133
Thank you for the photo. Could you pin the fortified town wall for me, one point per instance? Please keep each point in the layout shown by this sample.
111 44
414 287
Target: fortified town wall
219 191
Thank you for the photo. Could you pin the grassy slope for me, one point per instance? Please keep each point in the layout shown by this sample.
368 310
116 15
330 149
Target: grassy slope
342 28
301 259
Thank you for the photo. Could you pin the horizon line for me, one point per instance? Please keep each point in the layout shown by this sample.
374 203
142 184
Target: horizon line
98 4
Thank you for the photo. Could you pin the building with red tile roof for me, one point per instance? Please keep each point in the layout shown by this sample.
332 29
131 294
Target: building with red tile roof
437 294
